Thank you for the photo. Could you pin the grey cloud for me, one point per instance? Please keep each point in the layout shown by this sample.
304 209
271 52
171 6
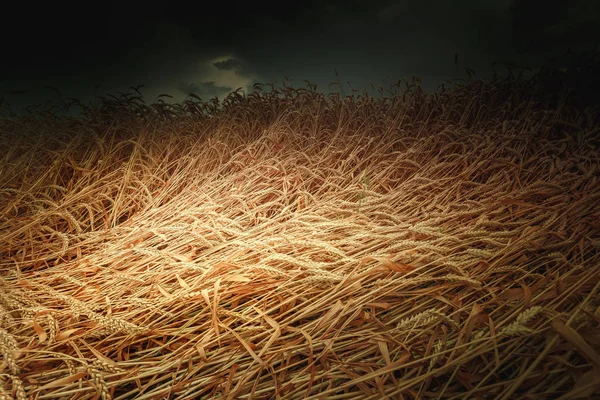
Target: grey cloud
236 65
229 64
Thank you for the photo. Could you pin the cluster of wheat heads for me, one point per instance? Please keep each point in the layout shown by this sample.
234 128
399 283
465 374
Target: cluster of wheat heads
290 245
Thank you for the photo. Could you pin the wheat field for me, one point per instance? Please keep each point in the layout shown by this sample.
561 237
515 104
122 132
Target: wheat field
291 245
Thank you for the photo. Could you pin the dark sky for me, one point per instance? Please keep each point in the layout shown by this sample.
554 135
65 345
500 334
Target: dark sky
173 49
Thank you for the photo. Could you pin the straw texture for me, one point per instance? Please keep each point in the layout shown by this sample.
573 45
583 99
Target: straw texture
288 245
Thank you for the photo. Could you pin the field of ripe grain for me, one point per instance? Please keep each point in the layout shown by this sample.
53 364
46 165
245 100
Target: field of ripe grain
289 245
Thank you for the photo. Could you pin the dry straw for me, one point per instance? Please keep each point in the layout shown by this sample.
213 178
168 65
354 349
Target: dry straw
287 245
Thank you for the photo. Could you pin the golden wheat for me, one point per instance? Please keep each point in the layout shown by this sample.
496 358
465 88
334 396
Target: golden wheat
292 245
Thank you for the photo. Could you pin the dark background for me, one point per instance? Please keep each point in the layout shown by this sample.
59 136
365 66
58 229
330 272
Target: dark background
98 47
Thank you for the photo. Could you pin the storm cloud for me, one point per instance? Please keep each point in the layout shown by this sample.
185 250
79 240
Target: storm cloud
236 45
